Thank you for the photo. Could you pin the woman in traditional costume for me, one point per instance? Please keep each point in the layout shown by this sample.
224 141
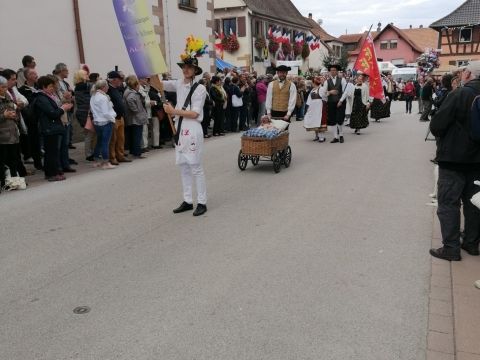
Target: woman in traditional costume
361 104
316 114
380 109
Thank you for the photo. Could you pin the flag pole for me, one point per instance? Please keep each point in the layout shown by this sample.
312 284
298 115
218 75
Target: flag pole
363 43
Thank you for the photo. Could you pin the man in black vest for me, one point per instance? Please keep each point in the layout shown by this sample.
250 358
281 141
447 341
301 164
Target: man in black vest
334 88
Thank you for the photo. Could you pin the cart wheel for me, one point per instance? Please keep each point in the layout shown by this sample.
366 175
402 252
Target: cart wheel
255 160
242 161
277 162
287 156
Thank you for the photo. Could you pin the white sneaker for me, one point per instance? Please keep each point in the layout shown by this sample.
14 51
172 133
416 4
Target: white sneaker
108 166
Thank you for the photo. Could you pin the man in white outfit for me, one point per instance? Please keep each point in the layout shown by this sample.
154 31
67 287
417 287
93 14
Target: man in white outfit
189 146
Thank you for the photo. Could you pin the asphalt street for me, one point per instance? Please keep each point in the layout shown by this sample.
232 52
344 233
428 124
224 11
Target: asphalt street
326 260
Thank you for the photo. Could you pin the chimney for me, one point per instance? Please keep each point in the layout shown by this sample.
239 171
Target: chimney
410 26
310 15
379 26
421 26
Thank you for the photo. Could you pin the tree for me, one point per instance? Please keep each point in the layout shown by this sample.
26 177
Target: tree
342 61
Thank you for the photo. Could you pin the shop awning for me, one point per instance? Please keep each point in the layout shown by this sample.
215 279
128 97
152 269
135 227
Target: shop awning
220 64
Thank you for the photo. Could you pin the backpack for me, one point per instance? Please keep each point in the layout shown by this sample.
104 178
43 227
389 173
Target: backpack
475 120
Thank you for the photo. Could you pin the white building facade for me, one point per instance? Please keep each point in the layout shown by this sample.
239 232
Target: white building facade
86 31
251 20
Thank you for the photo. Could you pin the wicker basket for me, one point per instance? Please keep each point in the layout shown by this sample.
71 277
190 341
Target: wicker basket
264 147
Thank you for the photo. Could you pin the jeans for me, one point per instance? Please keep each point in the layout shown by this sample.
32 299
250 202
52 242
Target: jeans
455 187
408 103
104 133
136 144
300 112
89 142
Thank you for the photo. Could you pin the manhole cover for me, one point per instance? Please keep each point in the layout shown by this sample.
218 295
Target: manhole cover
81 310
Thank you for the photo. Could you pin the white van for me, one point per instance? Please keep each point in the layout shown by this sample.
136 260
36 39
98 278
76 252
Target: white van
405 73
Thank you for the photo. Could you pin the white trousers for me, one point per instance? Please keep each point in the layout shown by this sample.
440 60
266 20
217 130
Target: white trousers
189 172
336 130
155 131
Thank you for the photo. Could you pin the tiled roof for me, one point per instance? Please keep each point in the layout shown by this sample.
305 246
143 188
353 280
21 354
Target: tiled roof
351 38
319 32
466 14
402 34
283 10
423 37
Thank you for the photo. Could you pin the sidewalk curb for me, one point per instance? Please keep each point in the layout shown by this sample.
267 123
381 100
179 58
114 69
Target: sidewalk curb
441 324
454 306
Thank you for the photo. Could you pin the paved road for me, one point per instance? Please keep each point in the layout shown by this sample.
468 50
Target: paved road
326 260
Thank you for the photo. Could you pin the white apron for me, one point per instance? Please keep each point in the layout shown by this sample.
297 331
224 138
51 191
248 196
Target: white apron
313 117
190 143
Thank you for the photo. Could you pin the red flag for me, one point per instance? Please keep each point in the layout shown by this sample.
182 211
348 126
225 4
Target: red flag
367 63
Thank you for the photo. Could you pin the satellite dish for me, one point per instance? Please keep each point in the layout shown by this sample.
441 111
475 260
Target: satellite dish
319 22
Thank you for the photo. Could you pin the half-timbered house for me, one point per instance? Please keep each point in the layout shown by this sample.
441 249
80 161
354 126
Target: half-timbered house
459 36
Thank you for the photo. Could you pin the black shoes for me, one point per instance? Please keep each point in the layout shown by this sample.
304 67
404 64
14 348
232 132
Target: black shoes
184 206
341 140
334 141
90 158
471 249
69 170
200 210
445 254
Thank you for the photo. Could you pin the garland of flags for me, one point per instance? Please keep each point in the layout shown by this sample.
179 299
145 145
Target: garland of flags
276 34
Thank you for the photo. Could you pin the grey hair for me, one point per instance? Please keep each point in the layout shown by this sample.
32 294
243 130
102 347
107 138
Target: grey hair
3 81
99 85
59 68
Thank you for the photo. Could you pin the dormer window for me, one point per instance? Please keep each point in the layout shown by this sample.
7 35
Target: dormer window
465 35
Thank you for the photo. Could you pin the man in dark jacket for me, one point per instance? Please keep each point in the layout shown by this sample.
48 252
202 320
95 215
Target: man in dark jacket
117 141
426 95
458 157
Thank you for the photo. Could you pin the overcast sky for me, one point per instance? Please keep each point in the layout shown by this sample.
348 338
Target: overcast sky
354 16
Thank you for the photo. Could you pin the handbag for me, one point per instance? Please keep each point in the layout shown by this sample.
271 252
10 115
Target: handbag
185 105
89 123
237 101
475 200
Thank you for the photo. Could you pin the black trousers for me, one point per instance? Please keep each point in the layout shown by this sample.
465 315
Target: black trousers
218 119
335 115
8 158
206 120
454 188
52 155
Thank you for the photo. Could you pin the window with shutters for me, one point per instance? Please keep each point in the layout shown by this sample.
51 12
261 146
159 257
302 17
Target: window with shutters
241 26
188 5
229 24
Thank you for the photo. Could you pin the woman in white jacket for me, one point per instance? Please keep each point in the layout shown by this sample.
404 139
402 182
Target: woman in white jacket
103 119
361 105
